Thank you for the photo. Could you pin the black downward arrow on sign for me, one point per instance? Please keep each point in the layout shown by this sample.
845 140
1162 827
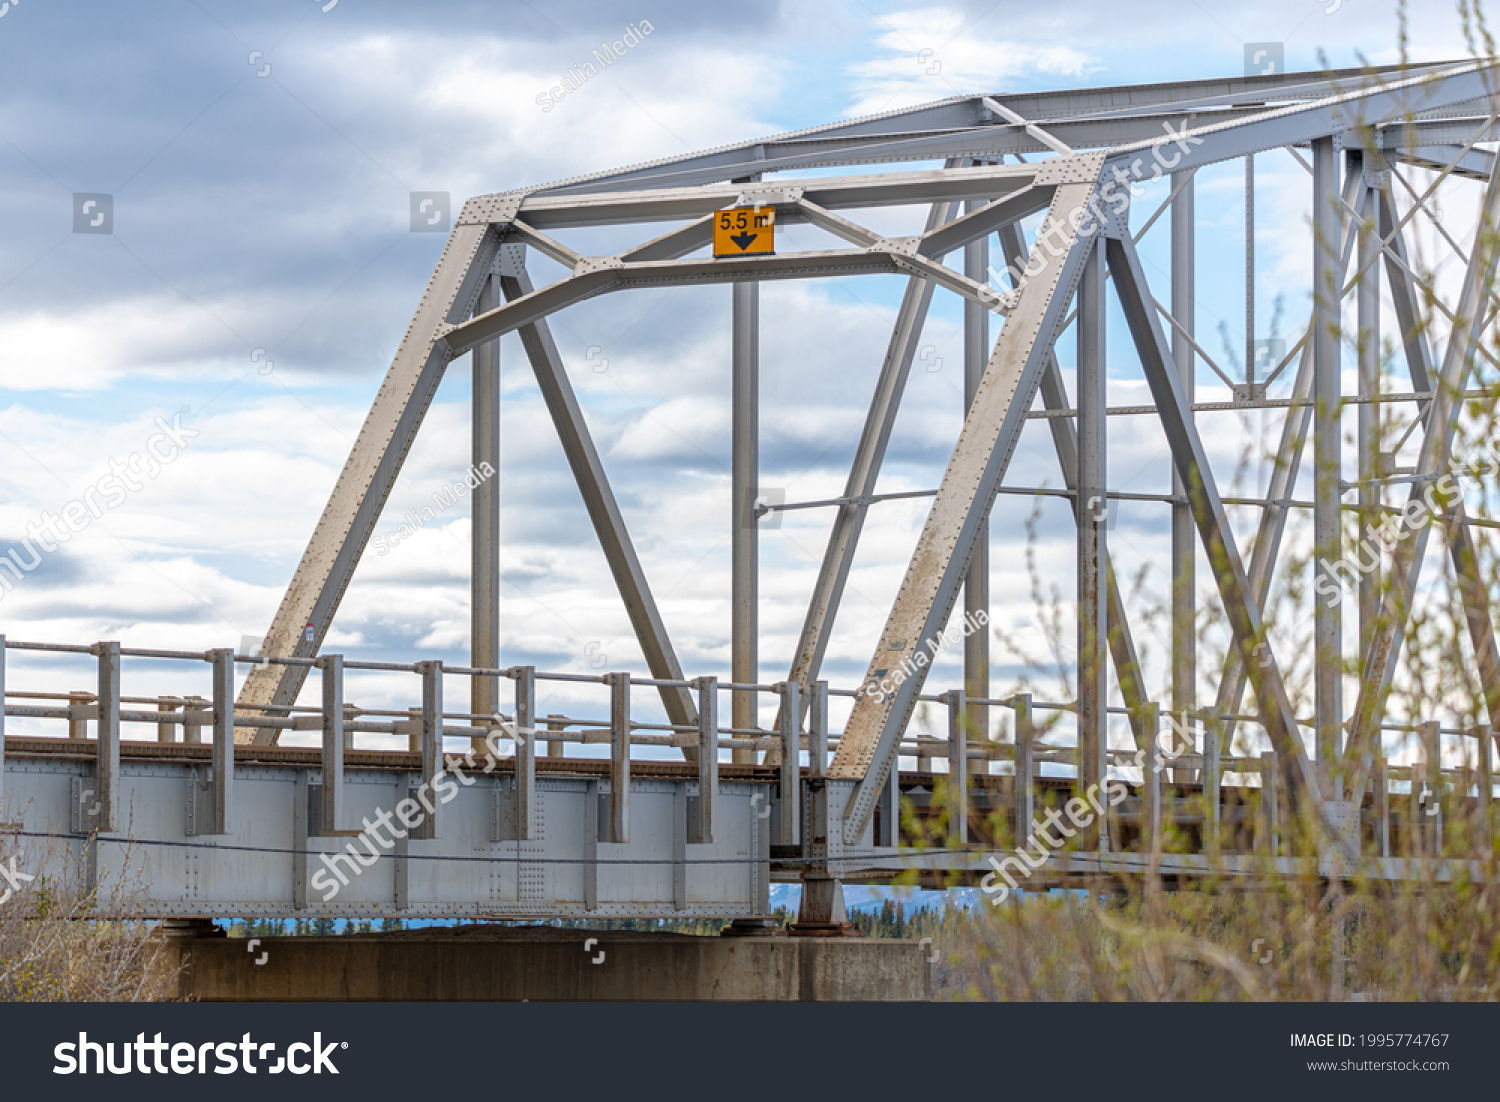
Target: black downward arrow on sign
743 240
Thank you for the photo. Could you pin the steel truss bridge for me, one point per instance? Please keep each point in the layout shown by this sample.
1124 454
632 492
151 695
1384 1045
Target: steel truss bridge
220 820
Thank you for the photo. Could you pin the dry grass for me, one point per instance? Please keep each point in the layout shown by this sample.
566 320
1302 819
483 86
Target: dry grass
52 950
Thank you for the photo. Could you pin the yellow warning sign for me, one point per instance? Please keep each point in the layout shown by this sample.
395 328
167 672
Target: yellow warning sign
741 231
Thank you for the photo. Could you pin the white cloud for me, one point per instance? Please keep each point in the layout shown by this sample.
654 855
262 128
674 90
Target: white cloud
936 55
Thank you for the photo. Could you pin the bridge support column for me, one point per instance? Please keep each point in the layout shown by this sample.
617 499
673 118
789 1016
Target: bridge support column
484 632
744 488
822 913
1327 466
1184 537
977 580
1093 631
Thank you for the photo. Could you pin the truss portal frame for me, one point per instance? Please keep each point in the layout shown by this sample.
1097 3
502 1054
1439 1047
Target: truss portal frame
1095 144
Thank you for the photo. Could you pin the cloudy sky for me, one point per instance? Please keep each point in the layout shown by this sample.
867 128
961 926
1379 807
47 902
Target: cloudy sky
257 161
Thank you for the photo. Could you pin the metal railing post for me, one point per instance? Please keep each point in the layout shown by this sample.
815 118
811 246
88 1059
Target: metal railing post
791 757
708 757
78 709
817 730
192 733
1213 813
1381 778
958 768
1432 781
430 739
2 730
166 731
1024 793
1151 790
1270 816
1485 782
619 756
221 790
332 810
525 740
107 771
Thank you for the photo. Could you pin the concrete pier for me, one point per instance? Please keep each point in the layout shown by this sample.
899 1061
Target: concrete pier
542 963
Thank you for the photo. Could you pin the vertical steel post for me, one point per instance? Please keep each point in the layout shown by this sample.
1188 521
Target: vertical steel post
332 667
977 580
1430 734
592 831
820 897
680 841
791 771
958 769
401 861
1485 778
1415 822
1023 795
484 550
222 789
708 756
1212 806
192 733
1249 269
1184 533
2 728
78 724
1151 789
525 740
888 831
817 730
1270 806
1381 778
1327 466
1093 604
1367 305
745 478
300 832
556 747
430 736
619 757
106 796
166 731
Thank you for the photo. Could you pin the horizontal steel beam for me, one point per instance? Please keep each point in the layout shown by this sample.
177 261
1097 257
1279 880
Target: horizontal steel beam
1387 104
547 212
868 139
613 275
